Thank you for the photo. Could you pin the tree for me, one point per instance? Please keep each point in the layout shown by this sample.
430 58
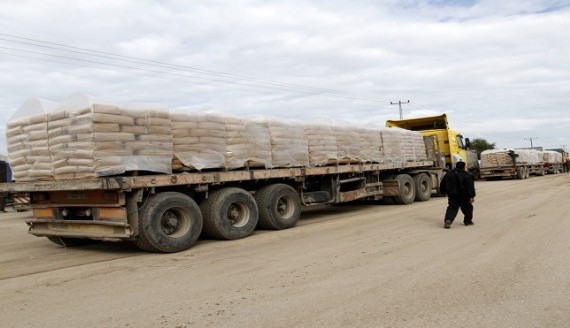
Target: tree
481 144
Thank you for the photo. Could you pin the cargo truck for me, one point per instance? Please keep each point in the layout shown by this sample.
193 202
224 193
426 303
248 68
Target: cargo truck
161 179
565 159
553 161
168 212
452 144
511 164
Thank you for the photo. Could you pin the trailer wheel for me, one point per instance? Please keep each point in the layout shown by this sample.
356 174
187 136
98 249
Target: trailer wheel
229 213
527 172
523 172
422 183
519 173
71 242
279 207
169 222
407 190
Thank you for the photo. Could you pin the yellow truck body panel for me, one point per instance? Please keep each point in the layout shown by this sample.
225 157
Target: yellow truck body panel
450 141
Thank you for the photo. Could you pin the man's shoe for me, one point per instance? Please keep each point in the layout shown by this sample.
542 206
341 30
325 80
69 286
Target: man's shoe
468 223
447 224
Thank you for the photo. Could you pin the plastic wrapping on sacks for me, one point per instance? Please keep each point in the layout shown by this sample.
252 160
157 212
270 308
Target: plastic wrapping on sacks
523 157
368 145
259 141
27 141
391 145
357 145
418 145
412 146
203 141
494 158
237 147
153 145
504 157
322 144
528 156
401 145
84 138
89 138
289 144
199 140
345 140
551 156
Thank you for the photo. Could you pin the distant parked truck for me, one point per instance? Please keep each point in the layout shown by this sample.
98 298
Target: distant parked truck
565 159
553 163
512 164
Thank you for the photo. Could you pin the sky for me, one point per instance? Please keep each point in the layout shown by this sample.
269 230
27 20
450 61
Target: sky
500 70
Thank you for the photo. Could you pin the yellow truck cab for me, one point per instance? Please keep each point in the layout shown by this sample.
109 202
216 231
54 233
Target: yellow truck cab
450 142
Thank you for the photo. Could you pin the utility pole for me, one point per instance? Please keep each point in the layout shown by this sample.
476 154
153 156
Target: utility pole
399 103
531 140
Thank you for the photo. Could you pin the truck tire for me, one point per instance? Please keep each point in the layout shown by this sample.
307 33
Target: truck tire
279 207
168 222
423 186
71 242
527 172
229 213
520 173
407 190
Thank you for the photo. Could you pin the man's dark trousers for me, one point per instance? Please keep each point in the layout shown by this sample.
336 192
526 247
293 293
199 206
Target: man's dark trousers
454 204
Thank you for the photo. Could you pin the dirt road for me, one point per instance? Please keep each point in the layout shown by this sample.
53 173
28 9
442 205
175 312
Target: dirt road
350 266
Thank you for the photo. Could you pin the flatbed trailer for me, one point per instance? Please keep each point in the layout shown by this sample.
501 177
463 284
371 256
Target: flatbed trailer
169 212
516 171
553 168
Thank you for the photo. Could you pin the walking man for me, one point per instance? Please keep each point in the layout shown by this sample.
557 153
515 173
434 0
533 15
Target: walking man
459 187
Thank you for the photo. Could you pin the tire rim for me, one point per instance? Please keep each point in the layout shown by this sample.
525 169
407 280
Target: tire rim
407 189
175 222
285 207
238 214
424 186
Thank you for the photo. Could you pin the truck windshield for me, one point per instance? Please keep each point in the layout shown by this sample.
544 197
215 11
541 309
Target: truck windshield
460 142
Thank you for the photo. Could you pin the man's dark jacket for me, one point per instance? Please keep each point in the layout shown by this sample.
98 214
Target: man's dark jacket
457 183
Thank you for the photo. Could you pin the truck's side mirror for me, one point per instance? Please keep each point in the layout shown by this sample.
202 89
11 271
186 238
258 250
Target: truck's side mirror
467 143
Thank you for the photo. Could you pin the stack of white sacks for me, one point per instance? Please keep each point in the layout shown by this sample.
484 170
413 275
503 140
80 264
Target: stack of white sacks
85 138
322 144
400 146
199 141
504 157
27 135
528 156
551 156
289 144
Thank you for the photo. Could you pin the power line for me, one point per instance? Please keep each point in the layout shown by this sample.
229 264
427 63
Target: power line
135 60
250 81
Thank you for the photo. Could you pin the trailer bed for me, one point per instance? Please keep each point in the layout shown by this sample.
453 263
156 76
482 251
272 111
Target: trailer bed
196 178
